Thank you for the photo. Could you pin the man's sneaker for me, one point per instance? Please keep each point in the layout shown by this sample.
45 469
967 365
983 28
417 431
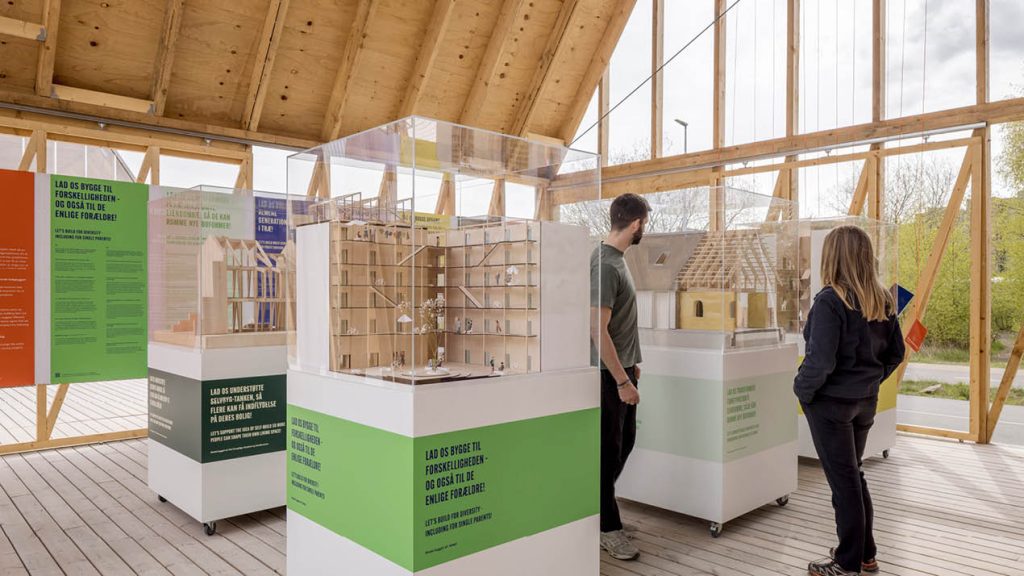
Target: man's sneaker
618 546
828 567
870 566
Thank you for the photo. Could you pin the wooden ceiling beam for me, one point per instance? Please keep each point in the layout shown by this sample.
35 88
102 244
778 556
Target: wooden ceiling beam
102 113
22 29
596 69
489 69
165 56
48 50
1010 110
263 67
65 129
427 58
349 63
555 44
103 99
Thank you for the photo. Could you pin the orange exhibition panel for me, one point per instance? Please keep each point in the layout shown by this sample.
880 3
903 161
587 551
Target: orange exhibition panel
17 283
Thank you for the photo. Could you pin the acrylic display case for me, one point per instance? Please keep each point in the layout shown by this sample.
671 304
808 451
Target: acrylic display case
885 241
717 289
418 306
433 335
220 270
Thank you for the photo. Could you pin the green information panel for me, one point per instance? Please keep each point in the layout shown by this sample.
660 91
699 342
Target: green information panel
219 419
98 278
421 502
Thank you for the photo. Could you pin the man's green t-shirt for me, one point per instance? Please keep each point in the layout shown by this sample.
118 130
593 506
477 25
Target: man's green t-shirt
615 290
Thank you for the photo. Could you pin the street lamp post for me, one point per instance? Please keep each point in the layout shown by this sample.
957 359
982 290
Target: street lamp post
686 127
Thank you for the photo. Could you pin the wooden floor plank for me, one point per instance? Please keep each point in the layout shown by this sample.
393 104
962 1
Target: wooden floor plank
942 508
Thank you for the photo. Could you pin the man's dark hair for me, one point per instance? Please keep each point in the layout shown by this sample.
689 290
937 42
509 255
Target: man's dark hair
628 208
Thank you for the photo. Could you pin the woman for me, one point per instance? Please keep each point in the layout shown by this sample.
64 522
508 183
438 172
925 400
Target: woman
853 344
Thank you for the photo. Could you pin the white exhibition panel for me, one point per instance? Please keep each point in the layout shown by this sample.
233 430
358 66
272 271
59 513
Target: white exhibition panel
376 403
555 552
565 297
218 363
882 436
42 277
217 490
759 479
747 363
695 363
469 404
313 296
415 411
686 485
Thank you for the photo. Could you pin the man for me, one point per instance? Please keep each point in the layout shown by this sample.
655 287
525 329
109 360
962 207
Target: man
614 333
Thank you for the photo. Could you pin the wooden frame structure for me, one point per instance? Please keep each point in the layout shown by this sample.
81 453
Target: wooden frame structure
786 154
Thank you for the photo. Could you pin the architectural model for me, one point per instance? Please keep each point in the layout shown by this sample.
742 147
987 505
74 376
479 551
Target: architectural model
394 288
242 293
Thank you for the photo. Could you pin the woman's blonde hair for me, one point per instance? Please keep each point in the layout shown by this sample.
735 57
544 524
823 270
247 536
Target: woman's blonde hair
848 266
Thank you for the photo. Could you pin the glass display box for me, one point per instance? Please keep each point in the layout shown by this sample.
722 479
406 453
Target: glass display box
441 333
812 238
219 268
716 278
417 297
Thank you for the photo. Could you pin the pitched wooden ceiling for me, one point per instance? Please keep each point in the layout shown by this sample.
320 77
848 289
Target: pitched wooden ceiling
296 72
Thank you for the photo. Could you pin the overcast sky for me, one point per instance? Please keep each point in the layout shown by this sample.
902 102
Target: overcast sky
931 66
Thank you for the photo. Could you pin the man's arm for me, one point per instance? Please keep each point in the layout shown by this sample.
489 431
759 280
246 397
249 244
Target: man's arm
600 316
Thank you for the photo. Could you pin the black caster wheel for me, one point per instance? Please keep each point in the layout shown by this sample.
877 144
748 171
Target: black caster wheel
161 498
782 501
210 528
716 529
885 454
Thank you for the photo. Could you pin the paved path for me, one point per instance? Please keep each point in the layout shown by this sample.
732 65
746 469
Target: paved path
953 414
954 373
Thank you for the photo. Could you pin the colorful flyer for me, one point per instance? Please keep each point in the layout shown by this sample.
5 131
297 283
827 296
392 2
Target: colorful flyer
98 280
915 336
17 281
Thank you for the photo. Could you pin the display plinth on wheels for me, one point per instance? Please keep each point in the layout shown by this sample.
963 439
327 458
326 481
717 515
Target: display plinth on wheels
217 429
443 406
715 432
219 268
493 476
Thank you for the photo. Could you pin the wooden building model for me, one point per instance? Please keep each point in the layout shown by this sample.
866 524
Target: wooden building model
242 297
406 297
729 282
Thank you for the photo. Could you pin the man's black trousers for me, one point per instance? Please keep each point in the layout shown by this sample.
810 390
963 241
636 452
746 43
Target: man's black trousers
618 434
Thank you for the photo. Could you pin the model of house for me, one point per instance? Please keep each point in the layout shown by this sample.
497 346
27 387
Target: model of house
729 282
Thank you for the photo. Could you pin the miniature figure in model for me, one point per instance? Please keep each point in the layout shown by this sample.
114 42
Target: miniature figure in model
616 335
497 326
492 365
502 367
458 325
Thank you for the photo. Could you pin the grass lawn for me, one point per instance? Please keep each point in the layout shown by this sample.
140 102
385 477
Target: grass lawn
940 354
954 391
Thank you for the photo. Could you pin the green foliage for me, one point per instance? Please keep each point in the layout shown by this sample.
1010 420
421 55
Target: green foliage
1011 161
948 314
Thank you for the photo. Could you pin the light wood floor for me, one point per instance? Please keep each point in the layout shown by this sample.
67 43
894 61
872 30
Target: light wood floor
90 408
943 508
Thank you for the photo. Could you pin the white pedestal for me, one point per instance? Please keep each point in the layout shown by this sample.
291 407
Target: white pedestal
495 476
217 429
715 437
